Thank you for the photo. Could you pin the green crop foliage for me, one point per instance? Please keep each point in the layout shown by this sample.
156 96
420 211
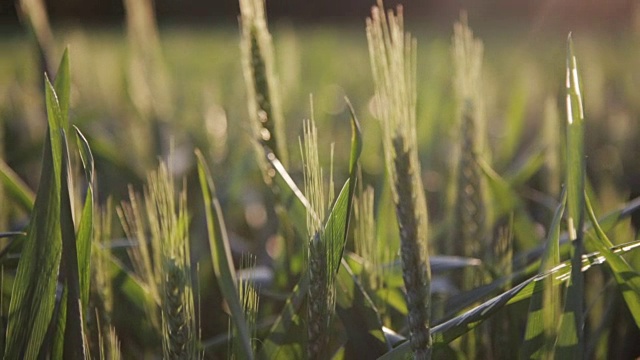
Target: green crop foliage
233 244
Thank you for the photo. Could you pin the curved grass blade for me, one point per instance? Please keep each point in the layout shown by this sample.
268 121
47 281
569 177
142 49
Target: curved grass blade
525 169
287 337
441 263
446 332
544 308
356 150
289 195
607 222
71 320
507 201
627 278
337 226
85 227
562 272
10 234
221 256
365 337
571 334
16 188
33 294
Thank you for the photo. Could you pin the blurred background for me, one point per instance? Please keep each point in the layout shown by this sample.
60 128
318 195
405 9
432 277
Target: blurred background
612 15
149 83
179 62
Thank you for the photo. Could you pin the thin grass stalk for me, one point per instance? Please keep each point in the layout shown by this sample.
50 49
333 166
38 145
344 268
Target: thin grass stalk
148 78
134 226
393 61
501 326
34 14
321 294
102 290
551 137
258 65
114 345
250 301
365 240
148 83
109 345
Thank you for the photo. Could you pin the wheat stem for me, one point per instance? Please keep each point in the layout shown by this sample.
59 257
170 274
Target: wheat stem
393 61
321 298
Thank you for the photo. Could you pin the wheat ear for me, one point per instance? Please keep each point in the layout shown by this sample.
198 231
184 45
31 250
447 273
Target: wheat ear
258 65
393 61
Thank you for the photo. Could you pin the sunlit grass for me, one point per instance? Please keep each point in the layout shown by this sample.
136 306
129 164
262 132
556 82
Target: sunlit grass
522 198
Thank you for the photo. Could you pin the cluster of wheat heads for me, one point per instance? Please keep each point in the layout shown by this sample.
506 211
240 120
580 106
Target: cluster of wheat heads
67 306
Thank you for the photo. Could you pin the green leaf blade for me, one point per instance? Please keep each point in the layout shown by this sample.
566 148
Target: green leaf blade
544 307
16 188
571 334
627 278
34 291
62 85
221 255
73 318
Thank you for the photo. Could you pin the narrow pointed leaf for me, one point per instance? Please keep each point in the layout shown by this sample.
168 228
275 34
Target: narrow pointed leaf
34 291
288 336
62 85
544 306
446 332
607 222
73 319
627 278
365 338
571 334
508 202
336 227
85 227
289 195
16 188
356 150
221 256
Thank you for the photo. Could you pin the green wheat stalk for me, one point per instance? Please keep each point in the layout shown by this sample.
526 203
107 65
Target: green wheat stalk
169 221
393 61
148 84
101 280
469 206
321 294
258 65
551 137
160 225
148 79
365 240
